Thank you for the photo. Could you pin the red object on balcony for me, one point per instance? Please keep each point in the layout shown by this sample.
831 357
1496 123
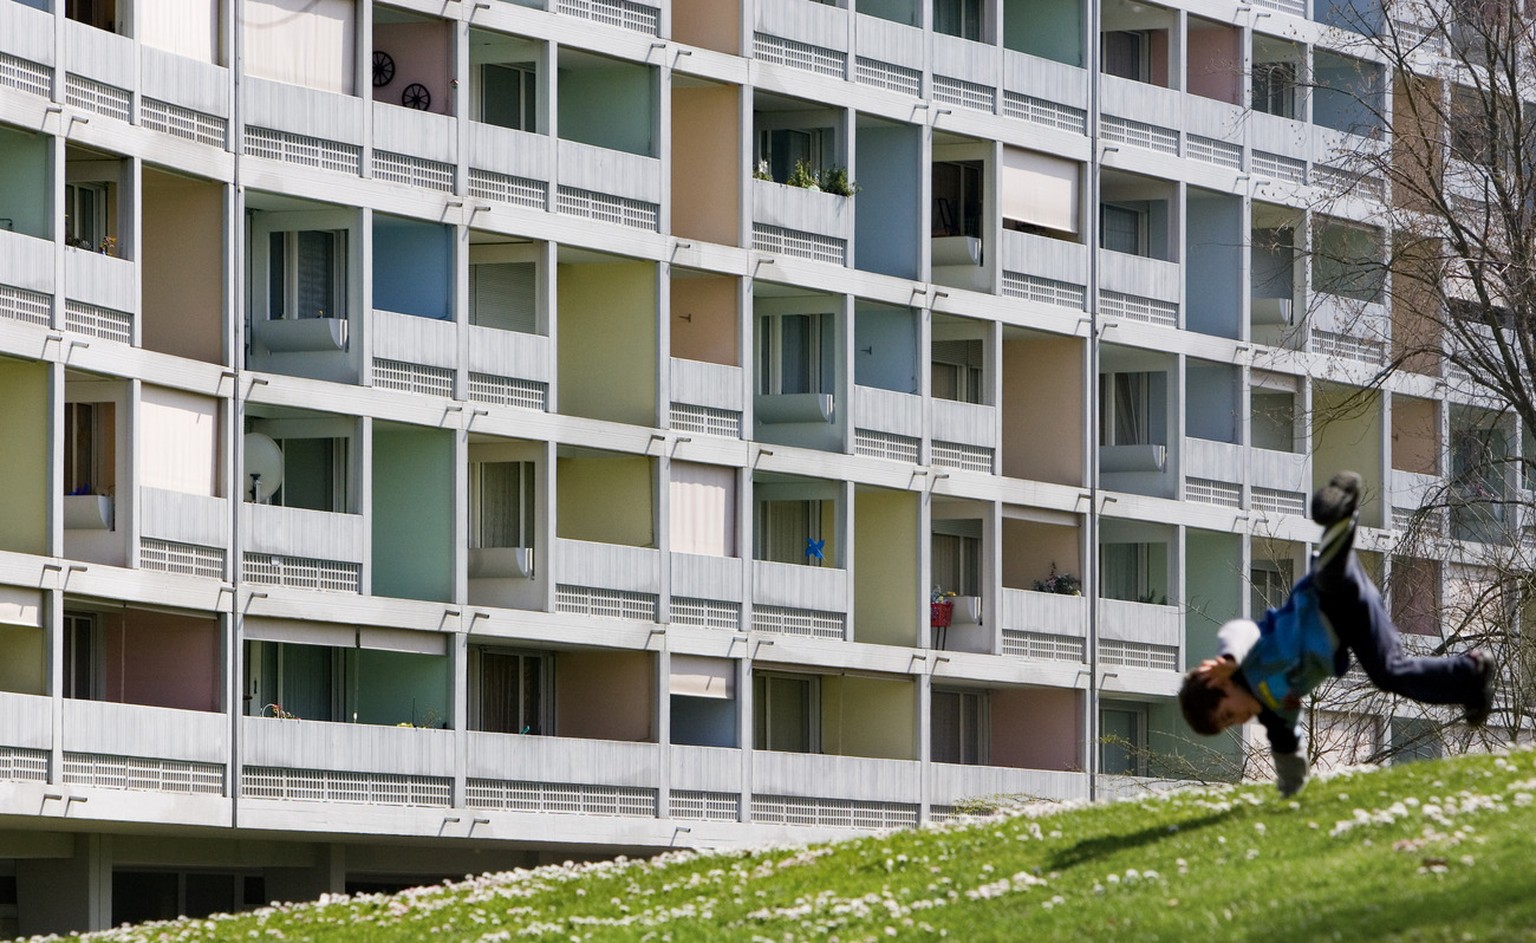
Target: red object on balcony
939 613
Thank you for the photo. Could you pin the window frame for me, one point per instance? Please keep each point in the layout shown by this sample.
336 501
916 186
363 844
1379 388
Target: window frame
539 665
762 708
1136 752
526 501
84 663
980 723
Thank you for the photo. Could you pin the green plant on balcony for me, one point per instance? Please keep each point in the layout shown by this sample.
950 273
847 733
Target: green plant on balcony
1062 584
835 180
761 172
803 176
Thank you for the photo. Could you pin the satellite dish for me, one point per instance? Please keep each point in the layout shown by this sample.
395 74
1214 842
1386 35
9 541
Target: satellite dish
263 467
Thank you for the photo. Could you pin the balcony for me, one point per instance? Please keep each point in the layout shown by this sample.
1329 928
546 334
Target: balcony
27 34
617 175
970 424
1045 92
802 587
1044 625
1143 278
607 566
100 279
98 56
888 412
1042 260
181 517
180 755
1213 471
567 761
823 221
701 576
162 733
896 46
521 155
848 778
793 24
419 341
303 534
26 724
1281 481
1140 635
950 784
419 134
1144 115
329 762
966 73
332 123
713 385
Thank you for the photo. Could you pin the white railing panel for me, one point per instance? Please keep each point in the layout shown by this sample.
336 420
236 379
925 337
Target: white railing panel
1412 490
201 86
26 261
801 587
1044 257
413 339
1280 471
610 566
840 777
1213 119
1142 101
135 730
950 783
100 279
362 748
418 133
26 33
962 59
778 204
706 384
888 411
98 54
1277 135
604 170
562 760
26 720
302 110
509 353
1218 461
882 39
1140 622
966 423
1363 319
707 577
1141 276
186 518
1025 610
713 769
1045 78
300 532
804 21
507 151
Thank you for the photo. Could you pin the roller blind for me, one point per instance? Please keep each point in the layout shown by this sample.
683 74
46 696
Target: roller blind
302 42
20 606
703 509
1040 190
698 676
178 436
186 27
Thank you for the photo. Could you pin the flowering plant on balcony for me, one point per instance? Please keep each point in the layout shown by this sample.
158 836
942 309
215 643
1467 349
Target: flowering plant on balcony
278 712
1062 584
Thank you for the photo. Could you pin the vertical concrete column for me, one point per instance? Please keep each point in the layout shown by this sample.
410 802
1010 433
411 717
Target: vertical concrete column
67 894
458 651
326 873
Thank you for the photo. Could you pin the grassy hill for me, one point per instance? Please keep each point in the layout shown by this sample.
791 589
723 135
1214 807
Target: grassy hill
1425 851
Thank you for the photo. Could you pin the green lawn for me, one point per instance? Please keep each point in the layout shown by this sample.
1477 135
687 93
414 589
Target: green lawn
1424 851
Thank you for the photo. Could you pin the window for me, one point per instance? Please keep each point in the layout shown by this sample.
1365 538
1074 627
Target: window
783 148
89 448
503 295
501 504
85 216
785 529
82 657
303 681
1347 260
795 353
1269 581
956 563
509 95
1474 125
956 369
307 274
1127 54
1134 572
513 693
1123 229
1133 408
1414 738
785 713
961 18
101 14
1123 740
957 198
1274 88
315 475
958 727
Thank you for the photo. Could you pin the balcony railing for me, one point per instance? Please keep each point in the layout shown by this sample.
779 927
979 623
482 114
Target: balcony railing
888 411
950 784
26 721
1048 613
303 533
417 340
819 588
26 261
716 385
107 728
100 279
708 577
835 777
608 566
963 423
516 757
356 748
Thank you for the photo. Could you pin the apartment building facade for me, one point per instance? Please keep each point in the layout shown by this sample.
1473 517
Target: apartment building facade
450 436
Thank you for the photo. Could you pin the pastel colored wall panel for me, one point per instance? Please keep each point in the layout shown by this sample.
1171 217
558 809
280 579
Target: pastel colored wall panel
1043 410
412 267
1030 547
609 371
1215 62
885 585
398 688
869 717
22 660
24 186
608 500
183 266
590 688
421 54
23 470
413 476
1036 728
162 660
706 190
706 324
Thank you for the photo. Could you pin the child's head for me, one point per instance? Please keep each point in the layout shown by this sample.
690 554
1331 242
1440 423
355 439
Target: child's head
1212 701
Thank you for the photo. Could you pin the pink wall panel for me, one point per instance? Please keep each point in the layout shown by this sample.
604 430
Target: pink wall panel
1036 728
162 661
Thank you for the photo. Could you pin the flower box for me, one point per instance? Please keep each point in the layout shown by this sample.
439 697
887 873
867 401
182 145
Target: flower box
939 614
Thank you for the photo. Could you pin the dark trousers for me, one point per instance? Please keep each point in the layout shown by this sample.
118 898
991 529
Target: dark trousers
1354 607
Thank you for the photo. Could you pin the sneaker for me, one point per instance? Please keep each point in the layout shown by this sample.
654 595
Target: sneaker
1336 500
1479 708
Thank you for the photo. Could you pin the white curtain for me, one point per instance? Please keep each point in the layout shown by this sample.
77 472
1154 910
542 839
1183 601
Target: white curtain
178 441
186 27
1040 190
302 42
703 513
